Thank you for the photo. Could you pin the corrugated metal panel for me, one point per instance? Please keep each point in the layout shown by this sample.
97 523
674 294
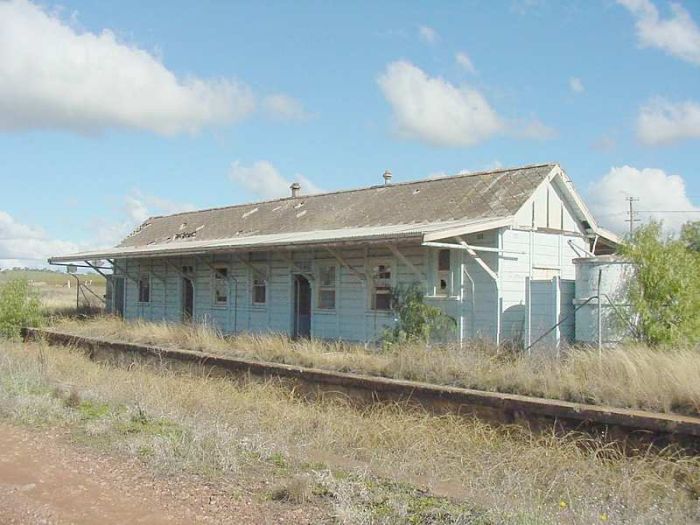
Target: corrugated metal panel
193 247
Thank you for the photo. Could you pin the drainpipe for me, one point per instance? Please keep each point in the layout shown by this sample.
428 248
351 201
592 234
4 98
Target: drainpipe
473 305
600 314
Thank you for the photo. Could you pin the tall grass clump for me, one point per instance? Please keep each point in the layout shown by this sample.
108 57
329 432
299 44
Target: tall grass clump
213 426
19 306
633 376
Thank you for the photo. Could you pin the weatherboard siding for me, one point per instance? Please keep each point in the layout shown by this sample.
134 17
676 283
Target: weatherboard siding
545 254
352 319
498 309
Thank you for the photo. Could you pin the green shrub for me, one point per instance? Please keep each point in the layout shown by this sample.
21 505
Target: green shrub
19 306
665 293
416 321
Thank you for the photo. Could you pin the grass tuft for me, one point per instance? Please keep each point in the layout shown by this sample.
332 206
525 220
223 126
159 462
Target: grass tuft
382 464
663 380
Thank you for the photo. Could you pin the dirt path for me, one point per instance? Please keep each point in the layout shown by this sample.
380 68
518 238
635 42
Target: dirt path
46 480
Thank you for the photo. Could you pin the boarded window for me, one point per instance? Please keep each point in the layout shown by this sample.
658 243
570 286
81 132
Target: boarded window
259 291
220 287
381 287
443 285
144 289
326 287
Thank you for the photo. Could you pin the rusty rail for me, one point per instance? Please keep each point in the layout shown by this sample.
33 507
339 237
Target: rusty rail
460 400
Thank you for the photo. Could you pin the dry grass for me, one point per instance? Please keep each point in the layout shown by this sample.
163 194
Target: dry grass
185 423
629 377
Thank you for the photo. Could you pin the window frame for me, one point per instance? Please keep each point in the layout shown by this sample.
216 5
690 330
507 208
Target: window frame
215 281
139 289
258 273
327 287
373 284
448 275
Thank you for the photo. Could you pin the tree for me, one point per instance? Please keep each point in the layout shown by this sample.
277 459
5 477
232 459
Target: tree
416 321
19 306
665 293
690 235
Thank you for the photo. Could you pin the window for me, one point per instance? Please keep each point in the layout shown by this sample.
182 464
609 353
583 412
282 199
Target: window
326 287
220 286
444 275
144 289
259 287
381 287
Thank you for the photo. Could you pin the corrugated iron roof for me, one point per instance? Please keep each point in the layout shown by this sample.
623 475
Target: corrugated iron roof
491 194
399 232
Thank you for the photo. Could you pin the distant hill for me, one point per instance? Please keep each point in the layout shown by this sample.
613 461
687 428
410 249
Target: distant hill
48 276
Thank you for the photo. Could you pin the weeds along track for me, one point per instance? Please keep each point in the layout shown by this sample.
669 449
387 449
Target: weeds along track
533 412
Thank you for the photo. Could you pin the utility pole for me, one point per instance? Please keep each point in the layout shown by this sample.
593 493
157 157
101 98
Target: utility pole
631 219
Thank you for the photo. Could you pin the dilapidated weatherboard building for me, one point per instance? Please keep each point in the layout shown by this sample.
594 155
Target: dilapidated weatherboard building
494 250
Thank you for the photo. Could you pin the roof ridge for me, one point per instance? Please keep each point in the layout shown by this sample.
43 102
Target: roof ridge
364 188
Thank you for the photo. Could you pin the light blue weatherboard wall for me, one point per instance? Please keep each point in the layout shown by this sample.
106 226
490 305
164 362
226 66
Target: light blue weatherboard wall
352 319
541 245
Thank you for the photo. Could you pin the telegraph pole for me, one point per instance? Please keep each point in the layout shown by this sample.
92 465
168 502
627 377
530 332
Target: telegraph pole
631 219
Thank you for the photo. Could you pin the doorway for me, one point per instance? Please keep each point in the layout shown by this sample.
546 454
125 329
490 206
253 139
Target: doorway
302 307
118 295
187 300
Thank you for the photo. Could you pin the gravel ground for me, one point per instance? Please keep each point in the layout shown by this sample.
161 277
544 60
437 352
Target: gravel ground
44 479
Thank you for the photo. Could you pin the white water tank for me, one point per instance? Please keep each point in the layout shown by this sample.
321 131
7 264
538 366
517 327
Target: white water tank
614 273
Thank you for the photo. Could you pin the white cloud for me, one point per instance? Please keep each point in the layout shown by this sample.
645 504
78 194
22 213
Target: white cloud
136 207
655 189
677 35
265 181
663 122
576 85
435 111
284 107
26 245
465 62
532 129
133 210
523 7
55 76
428 34
605 143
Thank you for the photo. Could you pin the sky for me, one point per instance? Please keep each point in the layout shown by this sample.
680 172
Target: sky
111 112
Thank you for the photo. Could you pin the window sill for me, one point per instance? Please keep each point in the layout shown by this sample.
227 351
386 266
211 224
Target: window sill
324 311
442 297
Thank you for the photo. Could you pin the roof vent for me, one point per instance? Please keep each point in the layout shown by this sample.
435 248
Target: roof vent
387 177
295 187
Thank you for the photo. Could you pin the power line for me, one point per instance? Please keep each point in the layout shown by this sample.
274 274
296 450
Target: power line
667 211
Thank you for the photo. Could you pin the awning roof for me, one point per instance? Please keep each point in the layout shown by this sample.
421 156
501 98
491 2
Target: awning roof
294 240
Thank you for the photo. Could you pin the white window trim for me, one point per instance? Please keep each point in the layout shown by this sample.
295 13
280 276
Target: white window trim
450 277
371 286
216 267
263 271
143 276
320 287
